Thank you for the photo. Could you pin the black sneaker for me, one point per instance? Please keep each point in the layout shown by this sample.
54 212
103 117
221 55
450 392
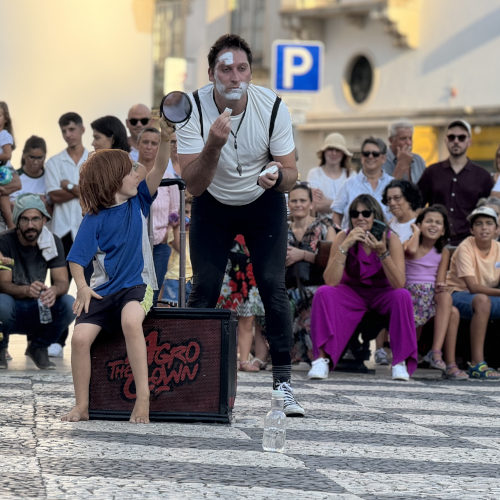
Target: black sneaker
40 357
290 407
3 359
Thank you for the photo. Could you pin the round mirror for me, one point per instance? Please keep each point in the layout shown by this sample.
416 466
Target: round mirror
176 107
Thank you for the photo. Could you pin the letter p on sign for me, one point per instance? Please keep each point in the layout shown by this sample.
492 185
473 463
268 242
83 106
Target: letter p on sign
297 66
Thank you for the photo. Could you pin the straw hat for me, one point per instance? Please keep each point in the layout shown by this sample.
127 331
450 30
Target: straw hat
336 141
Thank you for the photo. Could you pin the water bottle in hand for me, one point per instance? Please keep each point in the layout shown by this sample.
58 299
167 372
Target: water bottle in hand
275 425
44 312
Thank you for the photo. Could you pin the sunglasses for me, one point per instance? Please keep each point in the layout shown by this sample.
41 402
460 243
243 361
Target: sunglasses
135 121
375 154
460 137
354 214
34 158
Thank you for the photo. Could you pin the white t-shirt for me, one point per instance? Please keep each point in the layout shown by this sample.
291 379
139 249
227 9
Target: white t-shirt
496 187
402 229
35 185
66 216
5 138
330 187
228 186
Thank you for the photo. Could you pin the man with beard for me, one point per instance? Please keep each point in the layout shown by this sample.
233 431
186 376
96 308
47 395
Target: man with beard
456 183
237 130
34 250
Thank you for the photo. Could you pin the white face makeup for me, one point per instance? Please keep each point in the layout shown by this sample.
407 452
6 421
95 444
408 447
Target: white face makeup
231 94
226 58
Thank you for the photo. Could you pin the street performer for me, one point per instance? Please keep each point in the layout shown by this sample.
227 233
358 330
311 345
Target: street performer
236 132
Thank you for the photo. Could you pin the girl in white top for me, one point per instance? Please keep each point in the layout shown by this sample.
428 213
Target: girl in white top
6 147
334 169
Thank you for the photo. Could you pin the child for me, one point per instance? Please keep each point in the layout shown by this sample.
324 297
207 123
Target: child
426 266
6 147
171 283
474 278
115 203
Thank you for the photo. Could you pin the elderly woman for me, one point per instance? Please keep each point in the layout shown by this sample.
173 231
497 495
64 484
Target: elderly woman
403 199
333 170
363 273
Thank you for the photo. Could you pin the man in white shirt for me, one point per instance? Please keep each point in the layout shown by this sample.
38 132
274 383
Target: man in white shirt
221 155
62 174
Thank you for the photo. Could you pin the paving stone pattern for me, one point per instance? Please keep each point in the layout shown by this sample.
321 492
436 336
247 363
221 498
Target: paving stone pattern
364 436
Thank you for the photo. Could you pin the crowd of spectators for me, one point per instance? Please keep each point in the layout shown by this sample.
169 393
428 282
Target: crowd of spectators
436 259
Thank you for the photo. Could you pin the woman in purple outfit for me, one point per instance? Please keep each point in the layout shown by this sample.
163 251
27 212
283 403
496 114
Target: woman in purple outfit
363 273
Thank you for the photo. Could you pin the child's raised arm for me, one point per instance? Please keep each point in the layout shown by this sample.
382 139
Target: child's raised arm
410 246
155 176
440 285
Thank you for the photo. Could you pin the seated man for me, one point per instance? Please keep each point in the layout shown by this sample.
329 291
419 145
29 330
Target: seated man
473 279
34 250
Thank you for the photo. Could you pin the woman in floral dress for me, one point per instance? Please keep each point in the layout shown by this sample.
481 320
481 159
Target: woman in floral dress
302 277
240 294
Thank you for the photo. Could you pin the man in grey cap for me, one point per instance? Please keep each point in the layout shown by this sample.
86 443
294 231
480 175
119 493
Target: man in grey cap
457 183
34 250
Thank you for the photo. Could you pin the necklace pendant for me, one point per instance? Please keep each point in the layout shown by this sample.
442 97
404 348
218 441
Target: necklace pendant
239 169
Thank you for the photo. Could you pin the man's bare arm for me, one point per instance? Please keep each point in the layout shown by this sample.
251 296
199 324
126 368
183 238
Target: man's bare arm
199 169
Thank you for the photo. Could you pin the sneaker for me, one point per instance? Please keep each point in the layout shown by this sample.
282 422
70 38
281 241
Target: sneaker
40 357
482 371
55 350
381 357
399 372
3 359
319 369
290 407
437 364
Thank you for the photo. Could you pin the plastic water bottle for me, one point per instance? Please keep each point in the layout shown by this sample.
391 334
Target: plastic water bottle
44 312
275 425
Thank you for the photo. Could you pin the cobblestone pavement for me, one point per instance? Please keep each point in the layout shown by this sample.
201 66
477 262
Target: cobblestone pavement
364 436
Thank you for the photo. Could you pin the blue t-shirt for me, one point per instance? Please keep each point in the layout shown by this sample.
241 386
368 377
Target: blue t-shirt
116 238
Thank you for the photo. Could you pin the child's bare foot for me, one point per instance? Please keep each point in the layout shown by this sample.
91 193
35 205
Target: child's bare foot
75 415
140 413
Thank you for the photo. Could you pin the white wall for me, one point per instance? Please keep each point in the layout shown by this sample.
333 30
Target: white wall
91 56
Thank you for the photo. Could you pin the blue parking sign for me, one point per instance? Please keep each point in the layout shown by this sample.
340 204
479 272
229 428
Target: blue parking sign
297 66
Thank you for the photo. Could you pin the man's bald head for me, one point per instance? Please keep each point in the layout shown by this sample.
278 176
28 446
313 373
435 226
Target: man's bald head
139 117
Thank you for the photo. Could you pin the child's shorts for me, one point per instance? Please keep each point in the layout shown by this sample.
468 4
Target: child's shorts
424 306
107 311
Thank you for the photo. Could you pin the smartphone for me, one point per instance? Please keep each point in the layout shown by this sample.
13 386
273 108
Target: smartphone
378 229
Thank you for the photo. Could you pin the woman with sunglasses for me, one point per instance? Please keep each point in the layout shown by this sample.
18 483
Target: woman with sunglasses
371 179
109 133
302 276
363 274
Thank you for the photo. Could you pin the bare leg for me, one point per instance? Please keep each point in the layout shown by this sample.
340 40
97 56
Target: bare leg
444 304
450 341
132 317
482 306
245 339
83 336
261 347
381 338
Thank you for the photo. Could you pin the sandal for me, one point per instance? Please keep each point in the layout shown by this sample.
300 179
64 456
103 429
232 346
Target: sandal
261 365
247 366
483 372
453 372
437 364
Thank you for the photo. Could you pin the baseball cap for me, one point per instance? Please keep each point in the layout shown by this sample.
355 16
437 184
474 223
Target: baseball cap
460 123
482 211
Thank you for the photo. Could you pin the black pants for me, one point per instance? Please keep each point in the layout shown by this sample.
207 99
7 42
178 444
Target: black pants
263 224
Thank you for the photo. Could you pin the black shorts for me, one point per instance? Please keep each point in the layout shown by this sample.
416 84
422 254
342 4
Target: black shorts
106 312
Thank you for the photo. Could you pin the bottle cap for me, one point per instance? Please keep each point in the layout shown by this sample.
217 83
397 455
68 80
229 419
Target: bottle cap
278 394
